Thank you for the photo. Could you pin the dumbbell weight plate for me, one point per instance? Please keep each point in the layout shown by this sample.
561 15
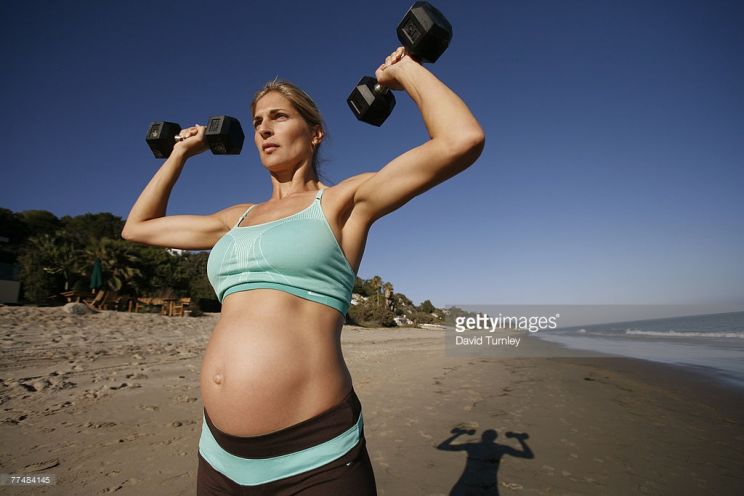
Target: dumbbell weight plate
370 102
224 135
425 32
161 136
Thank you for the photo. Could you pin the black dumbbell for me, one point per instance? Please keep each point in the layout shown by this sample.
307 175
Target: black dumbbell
426 34
223 134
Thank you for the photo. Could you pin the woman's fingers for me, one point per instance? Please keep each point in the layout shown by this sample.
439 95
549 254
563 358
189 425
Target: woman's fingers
192 131
394 57
188 132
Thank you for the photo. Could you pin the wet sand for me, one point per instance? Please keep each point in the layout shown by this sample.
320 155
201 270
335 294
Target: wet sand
110 402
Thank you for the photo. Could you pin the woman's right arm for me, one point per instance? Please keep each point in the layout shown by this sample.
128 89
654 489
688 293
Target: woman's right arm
147 222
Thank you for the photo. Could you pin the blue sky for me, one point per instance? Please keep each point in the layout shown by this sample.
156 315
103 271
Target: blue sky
613 165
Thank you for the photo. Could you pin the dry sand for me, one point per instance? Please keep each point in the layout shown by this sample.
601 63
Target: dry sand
110 403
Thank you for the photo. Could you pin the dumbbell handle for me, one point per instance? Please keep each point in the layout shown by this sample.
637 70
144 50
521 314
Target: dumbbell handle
380 89
180 138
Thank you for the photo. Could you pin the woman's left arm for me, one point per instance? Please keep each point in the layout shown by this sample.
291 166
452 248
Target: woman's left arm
456 140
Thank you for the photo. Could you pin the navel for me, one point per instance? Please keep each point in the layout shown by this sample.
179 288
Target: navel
217 378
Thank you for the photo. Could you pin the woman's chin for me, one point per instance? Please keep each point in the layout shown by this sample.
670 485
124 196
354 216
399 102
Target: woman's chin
275 164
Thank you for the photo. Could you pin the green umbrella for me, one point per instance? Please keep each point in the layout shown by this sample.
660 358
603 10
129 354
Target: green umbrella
96 277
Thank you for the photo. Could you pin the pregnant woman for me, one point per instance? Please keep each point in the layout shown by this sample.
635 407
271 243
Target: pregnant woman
280 412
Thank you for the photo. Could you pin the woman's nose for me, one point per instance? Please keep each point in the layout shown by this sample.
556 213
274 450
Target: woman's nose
264 130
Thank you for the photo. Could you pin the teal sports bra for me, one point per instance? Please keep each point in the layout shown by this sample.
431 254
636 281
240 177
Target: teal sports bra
298 254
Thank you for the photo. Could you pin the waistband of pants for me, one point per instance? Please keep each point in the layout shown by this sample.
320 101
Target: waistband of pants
289 451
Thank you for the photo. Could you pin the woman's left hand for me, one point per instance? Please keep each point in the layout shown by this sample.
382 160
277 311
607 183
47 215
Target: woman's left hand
389 73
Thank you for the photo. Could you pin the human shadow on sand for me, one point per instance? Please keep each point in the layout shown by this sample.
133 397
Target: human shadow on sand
480 476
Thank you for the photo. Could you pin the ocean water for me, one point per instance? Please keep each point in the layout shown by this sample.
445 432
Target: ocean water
711 343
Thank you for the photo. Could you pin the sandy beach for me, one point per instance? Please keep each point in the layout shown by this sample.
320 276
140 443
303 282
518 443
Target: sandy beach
110 402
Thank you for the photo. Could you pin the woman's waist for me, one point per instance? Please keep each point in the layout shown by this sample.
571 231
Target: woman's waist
257 341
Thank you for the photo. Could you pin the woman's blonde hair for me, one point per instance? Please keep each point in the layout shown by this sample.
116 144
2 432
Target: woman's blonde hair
302 103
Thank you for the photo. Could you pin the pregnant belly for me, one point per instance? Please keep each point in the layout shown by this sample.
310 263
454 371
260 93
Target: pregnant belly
261 375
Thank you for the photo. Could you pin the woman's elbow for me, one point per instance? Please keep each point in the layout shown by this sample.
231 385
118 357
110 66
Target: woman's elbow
126 232
477 142
470 146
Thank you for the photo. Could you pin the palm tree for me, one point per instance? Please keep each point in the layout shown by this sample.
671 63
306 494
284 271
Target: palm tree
388 290
376 283
117 261
59 256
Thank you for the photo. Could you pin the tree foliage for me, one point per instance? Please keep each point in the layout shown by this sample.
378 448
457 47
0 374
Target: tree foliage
55 255
377 305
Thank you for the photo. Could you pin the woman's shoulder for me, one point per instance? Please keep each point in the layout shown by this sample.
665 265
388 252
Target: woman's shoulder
340 198
345 189
230 215
351 183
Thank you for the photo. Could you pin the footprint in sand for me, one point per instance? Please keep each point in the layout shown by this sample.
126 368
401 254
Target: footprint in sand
112 489
468 426
32 386
57 407
94 394
56 381
43 465
180 423
126 385
15 420
100 425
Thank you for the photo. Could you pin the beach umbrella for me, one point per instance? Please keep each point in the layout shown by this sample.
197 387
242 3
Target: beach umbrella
96 276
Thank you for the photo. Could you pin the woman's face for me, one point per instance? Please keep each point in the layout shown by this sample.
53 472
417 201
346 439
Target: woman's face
277 123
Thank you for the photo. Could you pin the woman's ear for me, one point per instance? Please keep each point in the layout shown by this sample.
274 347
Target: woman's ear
318 135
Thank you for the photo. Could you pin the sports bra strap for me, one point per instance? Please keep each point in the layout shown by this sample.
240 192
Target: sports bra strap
243 216
318 196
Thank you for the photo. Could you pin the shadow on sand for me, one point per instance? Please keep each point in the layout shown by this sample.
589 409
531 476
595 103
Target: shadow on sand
480 476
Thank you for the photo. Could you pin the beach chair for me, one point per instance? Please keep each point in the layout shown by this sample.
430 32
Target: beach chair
179 307
72 296
141 303
110 301
148 302
95 302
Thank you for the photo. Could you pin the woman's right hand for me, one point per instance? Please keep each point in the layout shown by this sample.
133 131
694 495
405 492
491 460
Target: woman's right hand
194 143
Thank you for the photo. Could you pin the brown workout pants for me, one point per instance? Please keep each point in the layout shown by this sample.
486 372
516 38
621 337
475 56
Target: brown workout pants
351 474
